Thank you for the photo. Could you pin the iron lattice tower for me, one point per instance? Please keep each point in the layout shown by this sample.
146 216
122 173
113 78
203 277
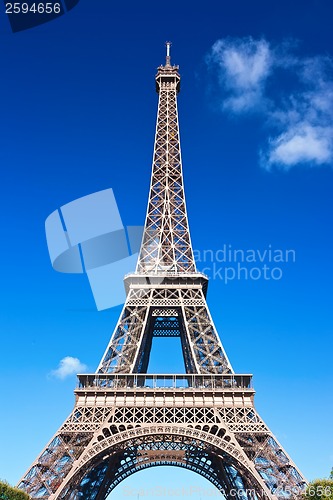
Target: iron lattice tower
125 420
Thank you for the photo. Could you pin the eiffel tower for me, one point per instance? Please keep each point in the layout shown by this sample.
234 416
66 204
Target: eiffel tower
125 420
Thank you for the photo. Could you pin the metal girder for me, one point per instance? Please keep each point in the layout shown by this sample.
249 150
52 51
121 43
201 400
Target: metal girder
130 344
115 413
166 244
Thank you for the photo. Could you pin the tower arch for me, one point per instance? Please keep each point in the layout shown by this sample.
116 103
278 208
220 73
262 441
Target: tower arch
111 460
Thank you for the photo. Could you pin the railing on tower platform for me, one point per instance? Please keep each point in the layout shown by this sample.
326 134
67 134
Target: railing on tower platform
139 381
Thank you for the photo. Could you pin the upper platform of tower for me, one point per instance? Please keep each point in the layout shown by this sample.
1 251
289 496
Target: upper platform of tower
167 76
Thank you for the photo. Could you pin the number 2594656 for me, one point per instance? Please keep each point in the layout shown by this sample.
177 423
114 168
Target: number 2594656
35 8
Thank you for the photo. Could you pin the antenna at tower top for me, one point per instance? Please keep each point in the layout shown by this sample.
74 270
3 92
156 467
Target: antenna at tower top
168 45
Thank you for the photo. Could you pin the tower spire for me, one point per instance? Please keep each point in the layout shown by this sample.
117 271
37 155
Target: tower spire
168 58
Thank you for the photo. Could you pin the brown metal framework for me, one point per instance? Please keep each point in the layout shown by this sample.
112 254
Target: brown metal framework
125 420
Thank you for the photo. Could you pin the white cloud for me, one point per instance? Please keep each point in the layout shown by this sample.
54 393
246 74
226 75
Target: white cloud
300 144
306 128
243 67
68 366
299 109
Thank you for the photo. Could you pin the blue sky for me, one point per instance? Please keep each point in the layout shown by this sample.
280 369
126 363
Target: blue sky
78 110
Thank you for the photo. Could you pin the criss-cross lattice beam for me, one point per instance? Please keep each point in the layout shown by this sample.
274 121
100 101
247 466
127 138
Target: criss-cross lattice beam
130 345
107 418
166 244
